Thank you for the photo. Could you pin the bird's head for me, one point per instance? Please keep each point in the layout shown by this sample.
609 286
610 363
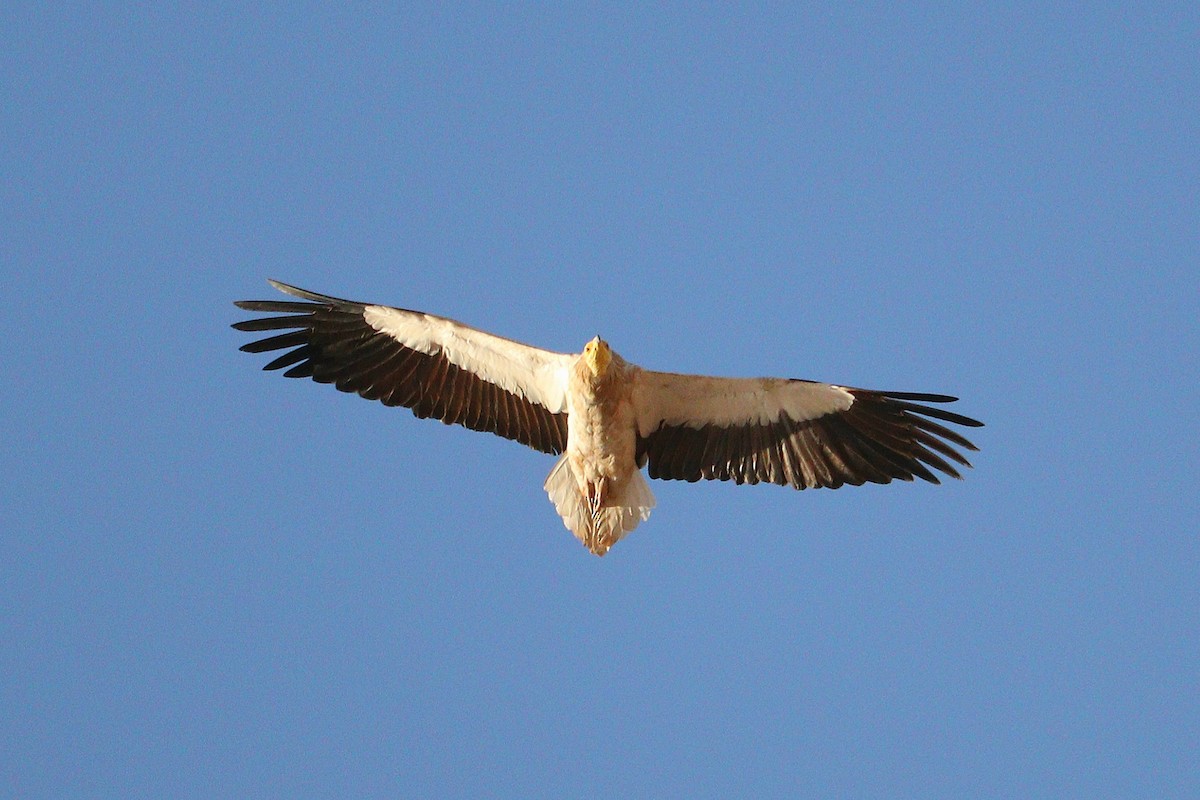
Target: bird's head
597 355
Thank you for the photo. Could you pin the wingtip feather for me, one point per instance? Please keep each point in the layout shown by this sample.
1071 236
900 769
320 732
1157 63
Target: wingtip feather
296 291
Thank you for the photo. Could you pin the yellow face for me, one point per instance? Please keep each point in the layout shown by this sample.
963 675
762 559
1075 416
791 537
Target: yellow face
598 355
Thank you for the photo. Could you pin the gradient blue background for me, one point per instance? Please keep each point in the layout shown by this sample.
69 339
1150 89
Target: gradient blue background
219 583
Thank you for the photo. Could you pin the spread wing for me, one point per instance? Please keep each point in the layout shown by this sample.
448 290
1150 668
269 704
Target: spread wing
437 367
792 432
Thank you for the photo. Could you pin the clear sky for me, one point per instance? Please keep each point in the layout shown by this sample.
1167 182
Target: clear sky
215 582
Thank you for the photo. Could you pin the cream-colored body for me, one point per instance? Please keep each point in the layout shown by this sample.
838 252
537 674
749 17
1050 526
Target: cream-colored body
597 486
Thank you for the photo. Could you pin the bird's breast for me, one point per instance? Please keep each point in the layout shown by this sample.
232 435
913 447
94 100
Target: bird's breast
601 432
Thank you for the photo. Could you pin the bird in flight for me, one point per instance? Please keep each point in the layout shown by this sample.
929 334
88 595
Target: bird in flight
605 417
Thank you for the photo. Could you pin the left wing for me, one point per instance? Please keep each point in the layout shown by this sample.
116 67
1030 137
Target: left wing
791 432
435 366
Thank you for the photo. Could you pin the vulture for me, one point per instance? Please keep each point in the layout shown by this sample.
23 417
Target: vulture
606 418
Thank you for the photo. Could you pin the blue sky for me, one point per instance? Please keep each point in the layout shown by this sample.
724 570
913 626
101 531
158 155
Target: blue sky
220 583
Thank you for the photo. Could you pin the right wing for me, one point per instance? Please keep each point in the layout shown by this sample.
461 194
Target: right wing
435 366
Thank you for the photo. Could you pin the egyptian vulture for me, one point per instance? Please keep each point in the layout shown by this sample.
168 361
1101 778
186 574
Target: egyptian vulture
605 417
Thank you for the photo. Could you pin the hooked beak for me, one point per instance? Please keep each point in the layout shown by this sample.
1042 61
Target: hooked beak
598 355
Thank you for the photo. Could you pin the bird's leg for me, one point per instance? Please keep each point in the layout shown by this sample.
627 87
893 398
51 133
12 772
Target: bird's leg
595 496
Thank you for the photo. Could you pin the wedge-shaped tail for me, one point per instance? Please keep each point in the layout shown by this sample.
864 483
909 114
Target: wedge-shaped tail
598 525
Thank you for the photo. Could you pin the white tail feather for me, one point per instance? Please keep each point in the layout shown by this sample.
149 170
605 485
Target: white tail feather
602 521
